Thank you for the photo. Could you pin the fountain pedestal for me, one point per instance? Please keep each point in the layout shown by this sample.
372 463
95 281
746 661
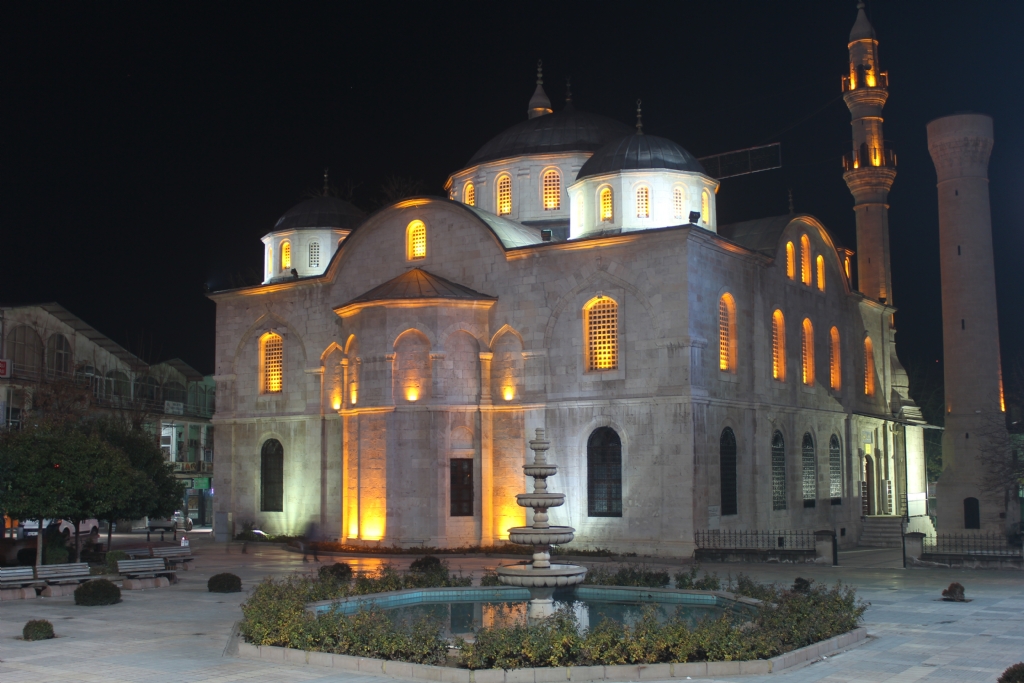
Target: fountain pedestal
541 577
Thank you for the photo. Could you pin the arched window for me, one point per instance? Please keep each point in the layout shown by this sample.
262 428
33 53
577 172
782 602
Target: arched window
790 261
58 356
869 367
810 472
727 333
174 391
272 363
118 385
820 261
607 209
601 325
643 202
469 195
778 471
705 207
272 476
835 374
835 471
604 473
807 352
148 390
314 254
416 241
727 471
551 185
286 255
504 195
778 346
25 351
805 260
678 202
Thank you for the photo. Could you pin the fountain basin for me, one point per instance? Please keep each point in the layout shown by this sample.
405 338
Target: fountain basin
555 576
540 500
540 470
528 535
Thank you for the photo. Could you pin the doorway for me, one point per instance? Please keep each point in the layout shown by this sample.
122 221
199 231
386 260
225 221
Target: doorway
869 481
972 513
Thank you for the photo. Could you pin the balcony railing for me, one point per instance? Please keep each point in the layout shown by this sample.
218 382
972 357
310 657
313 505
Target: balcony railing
863 80
723 539
869 157
994 545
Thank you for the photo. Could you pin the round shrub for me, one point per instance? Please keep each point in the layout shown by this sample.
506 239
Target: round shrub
37 629
97 592
112 558
955 593
224 583
1013 674
425 564
339 571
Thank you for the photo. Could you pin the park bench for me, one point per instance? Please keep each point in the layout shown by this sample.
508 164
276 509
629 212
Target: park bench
17 577
63 573
145 568
174 554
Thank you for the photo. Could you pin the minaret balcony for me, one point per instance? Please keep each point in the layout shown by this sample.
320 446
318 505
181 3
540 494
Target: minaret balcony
866 80
869 157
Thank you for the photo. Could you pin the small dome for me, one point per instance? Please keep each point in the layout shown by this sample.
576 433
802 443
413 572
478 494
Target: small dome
639 152
320 212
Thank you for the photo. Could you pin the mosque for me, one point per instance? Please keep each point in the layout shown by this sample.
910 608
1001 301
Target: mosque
385 377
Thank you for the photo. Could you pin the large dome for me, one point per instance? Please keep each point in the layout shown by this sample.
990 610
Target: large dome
640 152
569 130
320 212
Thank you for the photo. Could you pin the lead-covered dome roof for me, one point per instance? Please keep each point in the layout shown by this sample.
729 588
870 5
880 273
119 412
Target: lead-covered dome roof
568 130
638 152
320 212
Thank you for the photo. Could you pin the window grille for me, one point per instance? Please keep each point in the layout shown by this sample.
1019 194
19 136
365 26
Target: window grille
790 261
705 207
504 195
727 471
678 202
810 472
821 272
805 260
604 473
643 203
778 346
273 362
272 476
725 325
416 239
469 195
286 255
461 487
602 325
807 352
314 254
869 368
607 211
834 370
835 471
552 188
778 472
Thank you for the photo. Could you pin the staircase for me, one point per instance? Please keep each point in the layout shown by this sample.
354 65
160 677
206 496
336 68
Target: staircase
882 531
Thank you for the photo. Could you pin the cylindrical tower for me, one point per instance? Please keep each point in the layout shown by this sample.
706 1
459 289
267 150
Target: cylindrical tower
870 167
960 146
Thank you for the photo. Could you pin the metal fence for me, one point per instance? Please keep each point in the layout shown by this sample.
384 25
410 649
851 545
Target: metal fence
724 539
971 544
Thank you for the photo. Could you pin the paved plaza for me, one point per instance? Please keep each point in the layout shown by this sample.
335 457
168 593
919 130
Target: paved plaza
180 633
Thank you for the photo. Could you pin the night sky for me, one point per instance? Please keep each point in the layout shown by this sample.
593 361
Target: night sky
147 147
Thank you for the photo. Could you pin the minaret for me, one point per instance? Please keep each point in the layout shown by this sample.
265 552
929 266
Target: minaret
870 166
960 146
539 103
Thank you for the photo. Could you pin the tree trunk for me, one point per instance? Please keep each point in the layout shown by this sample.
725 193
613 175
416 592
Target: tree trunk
78 539
110 532
39 544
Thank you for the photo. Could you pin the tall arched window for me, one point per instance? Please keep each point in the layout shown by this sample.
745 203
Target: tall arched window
869 367
778 346
25 351
835 471
705 207
807 352
607 209
835 374
58 356
678 202
778 471
270 261
286 255
790 261
727 333
272 363
469 195
272 476
643 202
551 185
820 261
810 471
601 325
416 241
314 254
504 195
805 260
727 471
604 473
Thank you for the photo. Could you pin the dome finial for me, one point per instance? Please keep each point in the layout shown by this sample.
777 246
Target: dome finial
791 210
639 119
540 72
862 28
539 103
568 91
327 185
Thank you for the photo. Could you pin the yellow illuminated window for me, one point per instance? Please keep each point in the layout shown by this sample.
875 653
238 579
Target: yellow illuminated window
504 195
643 203
727 333
601 322
552 187
778 346
607 212
469 195
705 207
807 352
834 373
820 262
678 202
805 260
869 367
416 241
846 265
272 357
790 261
286 255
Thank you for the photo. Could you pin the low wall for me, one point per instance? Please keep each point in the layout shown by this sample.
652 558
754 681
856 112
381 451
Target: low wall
960 561
751 555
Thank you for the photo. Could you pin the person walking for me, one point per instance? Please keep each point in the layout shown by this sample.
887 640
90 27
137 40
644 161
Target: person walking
309 540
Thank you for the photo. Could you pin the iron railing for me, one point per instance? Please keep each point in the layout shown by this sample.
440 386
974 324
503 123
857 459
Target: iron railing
725 539
971 544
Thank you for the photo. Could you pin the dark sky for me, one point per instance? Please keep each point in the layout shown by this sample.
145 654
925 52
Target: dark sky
146 147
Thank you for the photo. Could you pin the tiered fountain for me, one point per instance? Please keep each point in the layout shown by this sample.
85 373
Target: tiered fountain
540 576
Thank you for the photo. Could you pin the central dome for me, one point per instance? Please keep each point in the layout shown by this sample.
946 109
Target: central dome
568 130
638 152
320 212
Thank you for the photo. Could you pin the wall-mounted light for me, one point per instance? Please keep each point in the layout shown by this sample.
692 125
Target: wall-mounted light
508 392
412 393
353 394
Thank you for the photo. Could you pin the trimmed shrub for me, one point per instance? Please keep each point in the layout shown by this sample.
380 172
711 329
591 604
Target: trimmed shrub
224 583
1013 674
97 592
955 593
802 585
38 629
634 575
427 563
689 581
339 571
490 579
112 559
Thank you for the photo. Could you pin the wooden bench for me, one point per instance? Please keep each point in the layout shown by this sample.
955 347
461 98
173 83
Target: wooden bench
17 577
145 568
63 573
174 555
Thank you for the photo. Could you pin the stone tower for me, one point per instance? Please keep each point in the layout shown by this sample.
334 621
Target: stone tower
870 166
960 146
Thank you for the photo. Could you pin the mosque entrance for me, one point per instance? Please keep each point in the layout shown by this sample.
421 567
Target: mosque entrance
869 483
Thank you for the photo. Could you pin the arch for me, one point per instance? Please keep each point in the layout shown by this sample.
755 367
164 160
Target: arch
331 348
117 385
643 202
820 263
263 322
469 194
551 189
412 373
727 338
507 369
478 332
604 473
728 498
869 367
790 261
679 202
286 255
835 373
461 439
415 241
503 190
809 471
147 389
805 260
314 254
778 346
271 363
272 476
778 471
835 470
705 207
407 327
506 328
807 352
352 353
174 391
972 513
601 334
59 359
606 204
25 351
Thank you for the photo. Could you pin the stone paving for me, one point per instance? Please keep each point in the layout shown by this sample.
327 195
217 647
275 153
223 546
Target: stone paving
180 633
